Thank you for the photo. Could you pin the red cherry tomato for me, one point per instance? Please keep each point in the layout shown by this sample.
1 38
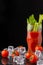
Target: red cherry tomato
13 55
27 55
16 53
33 58
38 48
4 53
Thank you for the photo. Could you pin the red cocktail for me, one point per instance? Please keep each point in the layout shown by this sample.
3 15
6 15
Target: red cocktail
34 32
33 39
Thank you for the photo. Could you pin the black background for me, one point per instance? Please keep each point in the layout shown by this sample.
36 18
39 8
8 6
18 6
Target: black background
13 15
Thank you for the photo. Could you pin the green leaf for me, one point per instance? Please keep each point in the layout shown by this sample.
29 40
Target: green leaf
32 19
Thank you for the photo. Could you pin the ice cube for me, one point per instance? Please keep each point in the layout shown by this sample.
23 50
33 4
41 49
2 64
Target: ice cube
10 60
22 50
19 59
10 50
10 47
38 53
29 27
41 56
40 62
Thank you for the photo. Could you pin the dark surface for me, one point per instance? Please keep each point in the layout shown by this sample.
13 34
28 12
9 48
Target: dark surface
4 61
13 15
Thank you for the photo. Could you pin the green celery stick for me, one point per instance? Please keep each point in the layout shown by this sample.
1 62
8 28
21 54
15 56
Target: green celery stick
32 20
35 29
40 18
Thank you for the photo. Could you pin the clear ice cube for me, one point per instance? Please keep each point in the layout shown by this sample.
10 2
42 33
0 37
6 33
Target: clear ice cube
10 47
10 50
40 62
19 59
38 53
22 50
41 56
10 60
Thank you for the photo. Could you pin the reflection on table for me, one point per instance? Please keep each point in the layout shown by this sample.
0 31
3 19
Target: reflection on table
6 61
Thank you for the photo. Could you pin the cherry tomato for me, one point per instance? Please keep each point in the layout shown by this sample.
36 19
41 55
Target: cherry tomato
27 55
13 55
4 53
15 52
38 48
33 58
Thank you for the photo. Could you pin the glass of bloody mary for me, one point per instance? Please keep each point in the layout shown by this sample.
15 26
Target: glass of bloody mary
34 34
33 39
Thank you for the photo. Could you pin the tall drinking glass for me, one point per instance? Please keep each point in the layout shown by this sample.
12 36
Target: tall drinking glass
33 38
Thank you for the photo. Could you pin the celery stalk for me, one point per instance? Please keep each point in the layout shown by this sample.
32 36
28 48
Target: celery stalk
31 20
35 29
40 18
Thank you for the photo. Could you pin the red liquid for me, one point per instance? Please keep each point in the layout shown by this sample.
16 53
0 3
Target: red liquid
33 39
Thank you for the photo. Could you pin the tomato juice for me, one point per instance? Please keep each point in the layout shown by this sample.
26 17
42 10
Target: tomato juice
33 39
